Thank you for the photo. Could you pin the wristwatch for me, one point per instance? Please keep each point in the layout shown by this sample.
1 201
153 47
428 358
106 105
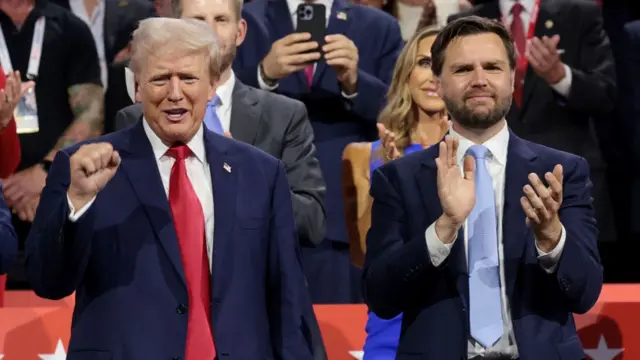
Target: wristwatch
270 82
46 165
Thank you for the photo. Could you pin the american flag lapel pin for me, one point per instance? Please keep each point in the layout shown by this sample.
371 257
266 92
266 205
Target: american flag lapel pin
342 15
227 167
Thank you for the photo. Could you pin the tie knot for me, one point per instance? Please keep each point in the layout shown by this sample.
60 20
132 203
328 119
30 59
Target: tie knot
517 9
478 151
179 152
214 102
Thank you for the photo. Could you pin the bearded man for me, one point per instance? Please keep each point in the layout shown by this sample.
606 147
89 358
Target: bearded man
487 242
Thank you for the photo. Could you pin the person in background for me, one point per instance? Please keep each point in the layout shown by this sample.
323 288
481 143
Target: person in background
343 90
68 94
134 211
11 91
411 14
486 243
414 118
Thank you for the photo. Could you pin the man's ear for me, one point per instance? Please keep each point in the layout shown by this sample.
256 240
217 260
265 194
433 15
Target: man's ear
242 32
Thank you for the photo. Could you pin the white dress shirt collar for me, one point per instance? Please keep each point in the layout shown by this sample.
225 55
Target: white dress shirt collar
506 5
497 145
225 90
196 144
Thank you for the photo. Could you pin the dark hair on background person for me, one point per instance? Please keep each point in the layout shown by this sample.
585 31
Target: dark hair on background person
467 26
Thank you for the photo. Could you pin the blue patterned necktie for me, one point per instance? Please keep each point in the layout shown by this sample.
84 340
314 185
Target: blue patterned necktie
211 119
485 310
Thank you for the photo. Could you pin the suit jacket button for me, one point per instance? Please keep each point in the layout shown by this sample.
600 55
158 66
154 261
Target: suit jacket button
181 309
175 358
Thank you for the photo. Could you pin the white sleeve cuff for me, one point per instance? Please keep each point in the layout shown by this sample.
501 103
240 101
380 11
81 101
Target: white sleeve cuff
75 215
438 251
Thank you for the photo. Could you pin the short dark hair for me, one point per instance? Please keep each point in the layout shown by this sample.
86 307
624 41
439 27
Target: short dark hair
466 26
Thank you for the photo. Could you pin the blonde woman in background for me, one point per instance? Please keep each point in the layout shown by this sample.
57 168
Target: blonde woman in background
414 118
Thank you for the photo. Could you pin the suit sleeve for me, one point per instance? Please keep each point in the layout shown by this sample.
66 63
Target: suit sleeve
593 84
8 238
579 272
395 266
305 178
244 64
57 250
287 287
372 88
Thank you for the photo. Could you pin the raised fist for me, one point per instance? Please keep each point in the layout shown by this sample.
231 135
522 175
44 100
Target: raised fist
92 166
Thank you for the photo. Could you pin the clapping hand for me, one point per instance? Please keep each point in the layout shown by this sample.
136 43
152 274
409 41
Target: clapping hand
10 96
541 205
456 189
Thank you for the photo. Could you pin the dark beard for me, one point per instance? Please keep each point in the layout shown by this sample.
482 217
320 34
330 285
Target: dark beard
226 59
466 117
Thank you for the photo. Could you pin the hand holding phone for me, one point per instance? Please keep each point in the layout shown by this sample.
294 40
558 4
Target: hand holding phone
292 53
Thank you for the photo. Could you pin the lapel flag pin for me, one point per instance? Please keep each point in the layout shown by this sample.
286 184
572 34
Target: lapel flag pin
342 15
123 3
548 24
227 167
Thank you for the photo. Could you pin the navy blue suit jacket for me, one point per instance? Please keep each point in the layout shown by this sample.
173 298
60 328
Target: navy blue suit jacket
399 276
336 121
8 238
122 258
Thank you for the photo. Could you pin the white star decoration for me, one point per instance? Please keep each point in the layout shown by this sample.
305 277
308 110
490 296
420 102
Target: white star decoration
603 352
358 355
60 353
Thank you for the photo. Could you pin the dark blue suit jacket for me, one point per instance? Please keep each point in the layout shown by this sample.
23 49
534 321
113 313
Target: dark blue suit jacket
122 258
336 121
8 238
399 276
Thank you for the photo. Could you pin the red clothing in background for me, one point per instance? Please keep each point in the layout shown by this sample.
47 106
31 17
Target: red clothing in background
9 143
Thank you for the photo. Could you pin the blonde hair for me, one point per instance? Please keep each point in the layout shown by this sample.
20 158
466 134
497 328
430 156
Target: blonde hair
174 37
399 114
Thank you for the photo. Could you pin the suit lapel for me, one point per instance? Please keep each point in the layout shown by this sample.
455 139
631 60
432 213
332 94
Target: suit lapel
142 170
514 229
279 18
338 24
427 178
224 172
531 80
244 113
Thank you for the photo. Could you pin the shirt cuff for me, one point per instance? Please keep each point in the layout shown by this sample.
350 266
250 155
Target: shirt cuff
263 85
438 251
549 261
75 215
346 96
563 87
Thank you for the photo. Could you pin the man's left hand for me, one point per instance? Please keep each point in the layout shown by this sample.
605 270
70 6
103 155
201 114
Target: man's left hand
24 185
541 205
342 55
544 58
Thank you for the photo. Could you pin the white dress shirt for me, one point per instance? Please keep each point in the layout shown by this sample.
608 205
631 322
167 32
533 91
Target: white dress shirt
224 91
496 164
562 87
197 171
293 7
95 22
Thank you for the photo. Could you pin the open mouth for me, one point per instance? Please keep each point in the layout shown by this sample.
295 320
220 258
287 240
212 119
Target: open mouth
176 114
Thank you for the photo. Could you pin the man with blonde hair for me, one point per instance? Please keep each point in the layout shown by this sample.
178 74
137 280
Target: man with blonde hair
211 273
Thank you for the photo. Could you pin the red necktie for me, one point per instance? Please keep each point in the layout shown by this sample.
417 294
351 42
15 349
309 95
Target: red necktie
517 32
188 219
308 74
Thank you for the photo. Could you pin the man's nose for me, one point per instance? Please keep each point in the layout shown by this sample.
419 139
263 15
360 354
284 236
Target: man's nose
175 90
